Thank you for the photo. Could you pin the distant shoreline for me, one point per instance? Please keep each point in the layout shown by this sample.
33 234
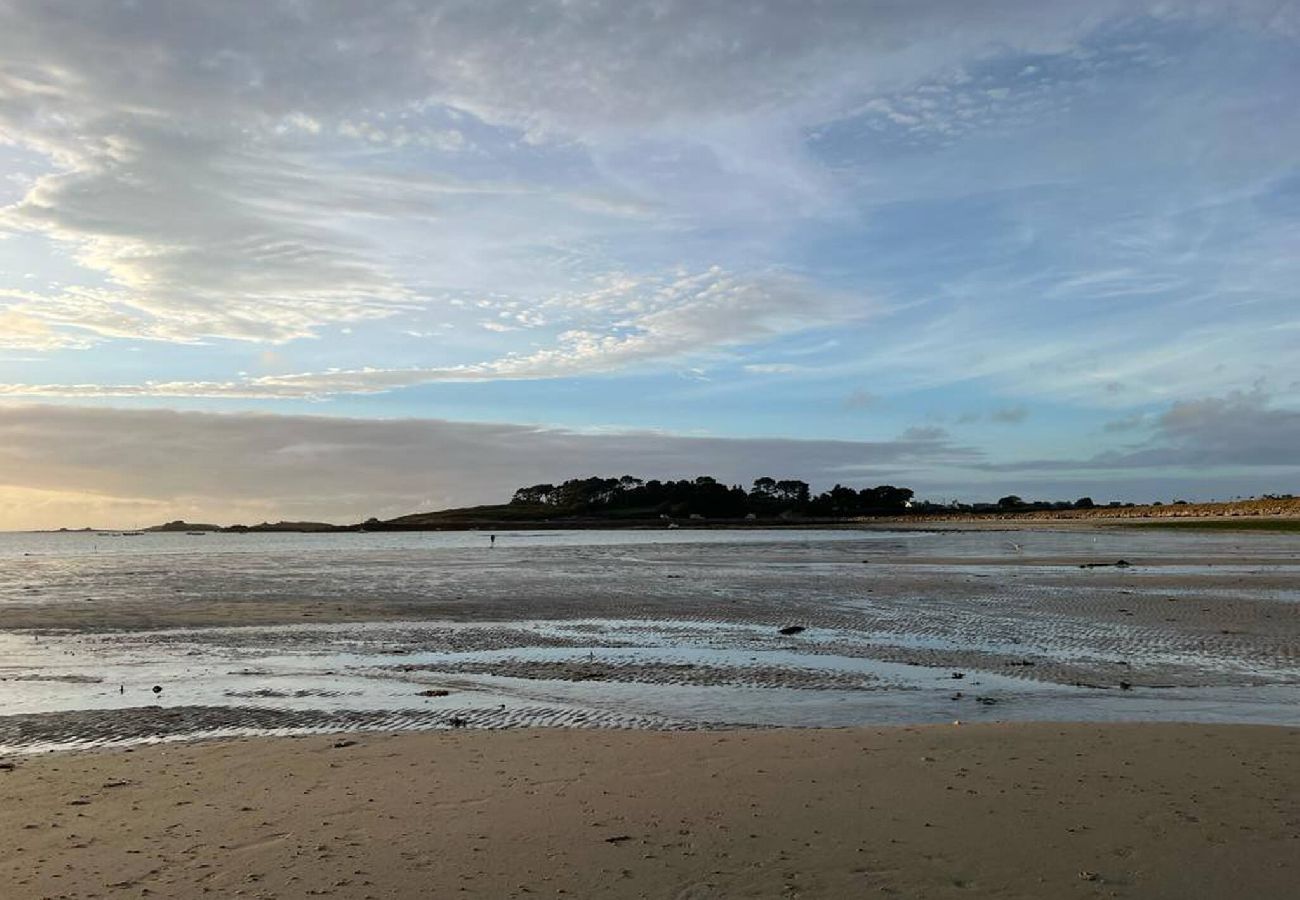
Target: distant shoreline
1278 515
1270 524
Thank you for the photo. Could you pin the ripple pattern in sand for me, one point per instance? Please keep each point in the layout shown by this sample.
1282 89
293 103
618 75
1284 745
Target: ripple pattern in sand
661 673
96 728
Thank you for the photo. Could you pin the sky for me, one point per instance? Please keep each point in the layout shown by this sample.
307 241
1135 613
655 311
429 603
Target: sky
284 259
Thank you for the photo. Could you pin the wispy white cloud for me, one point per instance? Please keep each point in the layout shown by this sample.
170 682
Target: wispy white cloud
670 319
195 156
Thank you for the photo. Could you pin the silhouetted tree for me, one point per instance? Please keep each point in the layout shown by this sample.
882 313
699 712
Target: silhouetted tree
793 491
706 496
538 493
885 498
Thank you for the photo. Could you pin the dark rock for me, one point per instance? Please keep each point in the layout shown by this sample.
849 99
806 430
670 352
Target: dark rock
792 629
433 692
958 675
339 745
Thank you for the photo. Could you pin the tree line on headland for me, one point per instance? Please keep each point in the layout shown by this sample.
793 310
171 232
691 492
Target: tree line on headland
707 497
768 497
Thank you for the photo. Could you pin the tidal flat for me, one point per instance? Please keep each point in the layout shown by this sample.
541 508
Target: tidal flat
661 630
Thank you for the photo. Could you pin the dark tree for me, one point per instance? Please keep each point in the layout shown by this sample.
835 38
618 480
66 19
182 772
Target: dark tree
792 491
884 498
538 493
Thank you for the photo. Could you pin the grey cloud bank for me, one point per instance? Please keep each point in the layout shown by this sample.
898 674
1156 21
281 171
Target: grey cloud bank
1241 430
242 466
142 465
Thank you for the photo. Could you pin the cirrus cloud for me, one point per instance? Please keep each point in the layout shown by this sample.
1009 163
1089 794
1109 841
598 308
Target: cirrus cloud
670 319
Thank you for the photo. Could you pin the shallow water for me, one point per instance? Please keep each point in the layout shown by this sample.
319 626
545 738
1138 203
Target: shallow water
661 629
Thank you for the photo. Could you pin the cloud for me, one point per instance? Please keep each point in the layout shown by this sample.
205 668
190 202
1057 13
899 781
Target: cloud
1127 423
222 169
129 467
923 433
1237 431
652 320
20 330
1009 415
861 399
772 368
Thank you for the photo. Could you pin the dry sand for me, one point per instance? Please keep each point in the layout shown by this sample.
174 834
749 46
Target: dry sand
1035 811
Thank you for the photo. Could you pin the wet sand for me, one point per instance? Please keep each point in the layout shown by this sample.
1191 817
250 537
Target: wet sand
299 633
1013 811
157 581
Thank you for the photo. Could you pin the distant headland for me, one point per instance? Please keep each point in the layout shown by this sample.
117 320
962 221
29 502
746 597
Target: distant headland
630 502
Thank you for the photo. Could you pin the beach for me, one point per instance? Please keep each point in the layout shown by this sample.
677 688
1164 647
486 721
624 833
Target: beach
1015 811
673 450
1035 712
